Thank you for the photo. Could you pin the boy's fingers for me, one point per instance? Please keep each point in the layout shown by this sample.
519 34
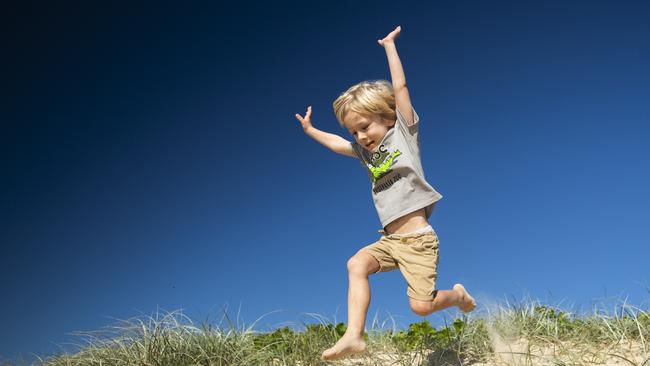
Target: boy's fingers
301 120
307 116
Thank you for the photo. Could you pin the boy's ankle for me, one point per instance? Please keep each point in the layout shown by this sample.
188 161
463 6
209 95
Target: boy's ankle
354 333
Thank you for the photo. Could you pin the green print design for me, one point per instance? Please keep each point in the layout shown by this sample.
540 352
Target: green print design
379 171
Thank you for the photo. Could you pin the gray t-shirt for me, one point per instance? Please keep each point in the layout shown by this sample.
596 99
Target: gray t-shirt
395 170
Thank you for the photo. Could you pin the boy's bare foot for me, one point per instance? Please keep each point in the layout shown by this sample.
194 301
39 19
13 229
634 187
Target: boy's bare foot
467 302
346 346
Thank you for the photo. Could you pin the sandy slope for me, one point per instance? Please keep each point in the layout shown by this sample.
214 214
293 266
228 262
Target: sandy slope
517 353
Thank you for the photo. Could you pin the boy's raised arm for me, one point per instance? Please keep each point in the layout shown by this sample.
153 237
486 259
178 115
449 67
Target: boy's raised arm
333 142
402 98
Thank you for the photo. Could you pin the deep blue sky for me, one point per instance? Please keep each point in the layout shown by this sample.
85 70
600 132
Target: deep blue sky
151 160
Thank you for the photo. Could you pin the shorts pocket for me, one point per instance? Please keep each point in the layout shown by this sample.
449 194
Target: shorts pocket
429 241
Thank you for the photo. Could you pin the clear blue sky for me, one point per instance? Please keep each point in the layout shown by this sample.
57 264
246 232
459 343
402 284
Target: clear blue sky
151 158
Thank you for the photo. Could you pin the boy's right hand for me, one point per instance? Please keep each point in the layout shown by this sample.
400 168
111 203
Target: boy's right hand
305 122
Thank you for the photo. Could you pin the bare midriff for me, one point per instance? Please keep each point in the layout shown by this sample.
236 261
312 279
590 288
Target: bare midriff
408 223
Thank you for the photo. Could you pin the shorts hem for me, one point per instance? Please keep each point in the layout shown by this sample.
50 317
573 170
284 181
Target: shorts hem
422 298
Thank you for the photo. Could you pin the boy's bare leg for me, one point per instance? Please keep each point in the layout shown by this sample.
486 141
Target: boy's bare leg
458 296
359 268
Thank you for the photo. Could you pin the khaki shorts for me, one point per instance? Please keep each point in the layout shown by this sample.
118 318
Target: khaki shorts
416 256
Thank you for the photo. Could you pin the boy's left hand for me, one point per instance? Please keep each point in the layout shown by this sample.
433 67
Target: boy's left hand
390 38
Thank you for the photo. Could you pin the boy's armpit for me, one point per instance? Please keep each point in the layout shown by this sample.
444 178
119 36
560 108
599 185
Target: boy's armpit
411 130
414 125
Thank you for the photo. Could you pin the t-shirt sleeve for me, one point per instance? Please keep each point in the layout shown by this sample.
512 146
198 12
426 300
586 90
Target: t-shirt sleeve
409 130
358 151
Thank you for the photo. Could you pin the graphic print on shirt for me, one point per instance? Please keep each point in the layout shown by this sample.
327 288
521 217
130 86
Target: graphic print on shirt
381 162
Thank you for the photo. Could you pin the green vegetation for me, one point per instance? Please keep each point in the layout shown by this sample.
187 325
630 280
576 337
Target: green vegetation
527 333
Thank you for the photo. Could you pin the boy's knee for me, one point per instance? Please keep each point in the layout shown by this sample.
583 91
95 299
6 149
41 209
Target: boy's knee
421 308
358 264
354 264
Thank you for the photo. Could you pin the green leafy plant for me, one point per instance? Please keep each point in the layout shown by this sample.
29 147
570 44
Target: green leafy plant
422 334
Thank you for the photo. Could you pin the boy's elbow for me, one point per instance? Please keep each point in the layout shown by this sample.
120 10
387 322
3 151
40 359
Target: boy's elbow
399 86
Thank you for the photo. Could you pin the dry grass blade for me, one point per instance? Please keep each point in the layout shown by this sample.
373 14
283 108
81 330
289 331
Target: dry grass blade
622 358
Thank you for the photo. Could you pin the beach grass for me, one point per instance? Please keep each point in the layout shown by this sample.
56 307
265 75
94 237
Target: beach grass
525 332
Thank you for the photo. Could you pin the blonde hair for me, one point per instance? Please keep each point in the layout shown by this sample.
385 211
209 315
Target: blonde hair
367 98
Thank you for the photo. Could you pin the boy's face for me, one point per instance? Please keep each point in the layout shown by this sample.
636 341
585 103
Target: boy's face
368 131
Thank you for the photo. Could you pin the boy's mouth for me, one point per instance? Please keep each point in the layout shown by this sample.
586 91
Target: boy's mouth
369 145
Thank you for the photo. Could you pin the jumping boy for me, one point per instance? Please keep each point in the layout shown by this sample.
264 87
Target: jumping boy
385 129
